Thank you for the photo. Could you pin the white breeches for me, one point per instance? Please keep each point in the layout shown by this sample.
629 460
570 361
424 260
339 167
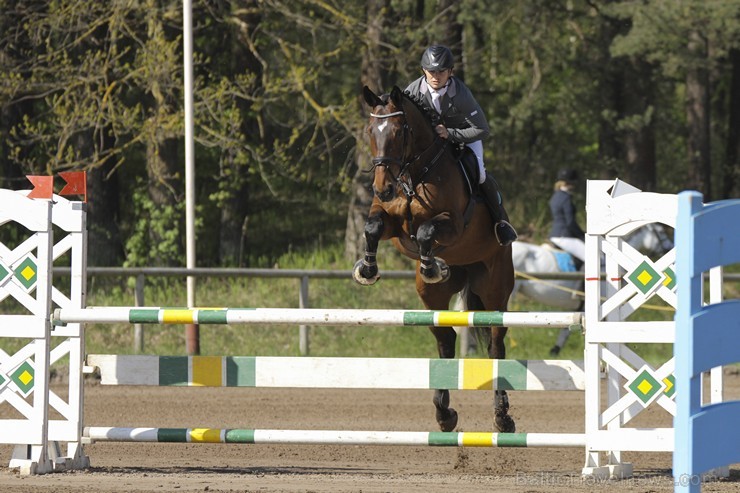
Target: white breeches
574 246
477 148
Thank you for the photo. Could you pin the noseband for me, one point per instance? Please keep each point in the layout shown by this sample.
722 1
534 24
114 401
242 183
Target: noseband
386 160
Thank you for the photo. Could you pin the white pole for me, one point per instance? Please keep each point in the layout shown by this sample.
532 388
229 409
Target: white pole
192 339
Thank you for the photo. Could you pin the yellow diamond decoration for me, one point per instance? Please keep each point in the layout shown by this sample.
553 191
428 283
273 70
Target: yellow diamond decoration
668 385
644 277
28 273
645 387
25 377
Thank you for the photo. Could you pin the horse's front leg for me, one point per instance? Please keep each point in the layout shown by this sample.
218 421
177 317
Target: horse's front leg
365 270
443 230
437 297
445 415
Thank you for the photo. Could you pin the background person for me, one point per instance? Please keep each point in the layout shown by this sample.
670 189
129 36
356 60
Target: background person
565 232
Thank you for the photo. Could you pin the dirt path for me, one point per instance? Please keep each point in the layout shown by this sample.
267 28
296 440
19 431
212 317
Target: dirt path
139 467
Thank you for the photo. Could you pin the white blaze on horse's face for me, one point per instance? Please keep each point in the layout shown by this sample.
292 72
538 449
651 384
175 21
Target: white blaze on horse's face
382 126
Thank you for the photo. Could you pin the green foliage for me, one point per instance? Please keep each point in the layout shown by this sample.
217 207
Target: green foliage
99 86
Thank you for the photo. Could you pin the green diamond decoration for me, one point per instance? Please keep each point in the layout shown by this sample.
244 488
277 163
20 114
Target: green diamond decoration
670 278
26 273
670 386
4 273
645 277
645 386
23 377
3 380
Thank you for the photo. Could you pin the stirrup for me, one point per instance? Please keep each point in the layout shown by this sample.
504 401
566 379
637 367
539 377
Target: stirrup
507 234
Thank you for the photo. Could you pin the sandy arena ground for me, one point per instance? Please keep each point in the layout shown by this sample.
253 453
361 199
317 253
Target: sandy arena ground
139 467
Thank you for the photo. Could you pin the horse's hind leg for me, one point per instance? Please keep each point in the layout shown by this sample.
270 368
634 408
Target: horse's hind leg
496 350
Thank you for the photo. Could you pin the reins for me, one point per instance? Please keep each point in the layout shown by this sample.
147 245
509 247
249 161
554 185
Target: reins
407 184
408 187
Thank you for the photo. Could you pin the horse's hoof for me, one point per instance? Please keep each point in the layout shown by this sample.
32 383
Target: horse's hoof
504 423
439 272
554 351
450 422
359 278
444 270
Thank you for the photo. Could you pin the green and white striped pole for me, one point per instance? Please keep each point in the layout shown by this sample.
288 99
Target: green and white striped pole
317 316
333 437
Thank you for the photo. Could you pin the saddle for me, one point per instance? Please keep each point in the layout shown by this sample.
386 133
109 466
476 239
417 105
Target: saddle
468 164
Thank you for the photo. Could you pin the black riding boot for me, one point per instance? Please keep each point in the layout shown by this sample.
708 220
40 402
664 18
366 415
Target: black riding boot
505 232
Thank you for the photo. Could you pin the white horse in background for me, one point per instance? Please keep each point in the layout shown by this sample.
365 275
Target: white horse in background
652 240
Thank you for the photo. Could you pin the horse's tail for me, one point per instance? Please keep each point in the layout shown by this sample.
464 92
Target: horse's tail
479 337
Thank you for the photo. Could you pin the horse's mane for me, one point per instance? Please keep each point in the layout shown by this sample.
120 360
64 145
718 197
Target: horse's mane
428 113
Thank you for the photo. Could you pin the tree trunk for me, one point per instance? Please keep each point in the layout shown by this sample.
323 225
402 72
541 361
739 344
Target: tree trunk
162 187
731 169
697 117
103 214
163 167
234 175
451 33
373 75
639 137
104 238
611 87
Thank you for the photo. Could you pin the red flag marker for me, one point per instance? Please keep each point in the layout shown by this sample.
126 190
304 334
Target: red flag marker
76 183
43 186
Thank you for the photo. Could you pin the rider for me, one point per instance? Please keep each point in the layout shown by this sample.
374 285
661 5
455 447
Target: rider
565 232
462 122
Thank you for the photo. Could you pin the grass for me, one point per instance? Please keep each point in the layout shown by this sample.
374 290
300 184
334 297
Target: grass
282 340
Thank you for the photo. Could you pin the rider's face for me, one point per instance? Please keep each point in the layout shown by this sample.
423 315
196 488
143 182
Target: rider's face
437 79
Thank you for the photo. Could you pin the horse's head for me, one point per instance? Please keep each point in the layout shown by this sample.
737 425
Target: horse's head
389 135
397 128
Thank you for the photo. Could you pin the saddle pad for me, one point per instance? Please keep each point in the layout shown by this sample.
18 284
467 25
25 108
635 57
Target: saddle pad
565 261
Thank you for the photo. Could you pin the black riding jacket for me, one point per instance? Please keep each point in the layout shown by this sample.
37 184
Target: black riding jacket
563 211
460 112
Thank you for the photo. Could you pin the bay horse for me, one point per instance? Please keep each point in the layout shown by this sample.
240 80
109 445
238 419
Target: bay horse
424 205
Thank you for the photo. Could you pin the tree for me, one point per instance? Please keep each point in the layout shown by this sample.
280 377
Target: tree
374 75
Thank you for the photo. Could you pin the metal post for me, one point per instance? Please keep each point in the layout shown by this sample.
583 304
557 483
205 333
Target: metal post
192 333
138 328
303 329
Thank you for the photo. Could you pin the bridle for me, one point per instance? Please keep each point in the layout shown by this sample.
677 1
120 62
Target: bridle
404 179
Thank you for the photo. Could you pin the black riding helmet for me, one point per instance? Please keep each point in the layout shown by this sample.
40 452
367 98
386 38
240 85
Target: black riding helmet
567 174
437 57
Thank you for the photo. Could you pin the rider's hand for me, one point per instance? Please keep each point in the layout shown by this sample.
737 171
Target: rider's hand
441 131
